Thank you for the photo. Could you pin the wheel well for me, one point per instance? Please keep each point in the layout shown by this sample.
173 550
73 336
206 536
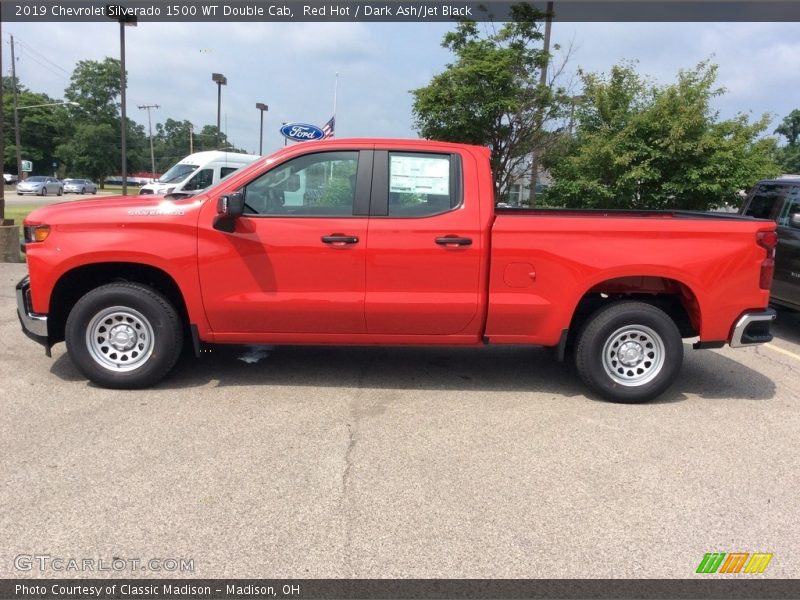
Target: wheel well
673 297
74 284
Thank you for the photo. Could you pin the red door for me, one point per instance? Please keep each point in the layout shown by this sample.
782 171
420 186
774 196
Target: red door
424 249
295 262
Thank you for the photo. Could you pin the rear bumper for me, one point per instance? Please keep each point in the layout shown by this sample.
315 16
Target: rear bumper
34 325
753 328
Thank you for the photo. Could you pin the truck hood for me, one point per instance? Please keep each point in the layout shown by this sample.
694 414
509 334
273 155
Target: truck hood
117 210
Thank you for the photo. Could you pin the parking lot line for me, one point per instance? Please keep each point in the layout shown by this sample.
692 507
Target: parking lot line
782 351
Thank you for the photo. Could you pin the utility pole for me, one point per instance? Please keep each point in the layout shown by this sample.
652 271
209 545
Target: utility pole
542 82
191 140
147 107
16 116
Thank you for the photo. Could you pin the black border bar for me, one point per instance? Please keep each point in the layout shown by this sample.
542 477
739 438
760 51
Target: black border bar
711 587
395 10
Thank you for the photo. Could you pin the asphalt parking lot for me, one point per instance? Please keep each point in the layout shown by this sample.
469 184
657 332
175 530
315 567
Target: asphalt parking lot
374 463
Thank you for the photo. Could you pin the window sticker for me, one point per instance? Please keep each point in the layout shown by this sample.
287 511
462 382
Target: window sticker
419 175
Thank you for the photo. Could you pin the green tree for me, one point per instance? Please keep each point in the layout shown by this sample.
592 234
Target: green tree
95 88
41 128
171 142
93 151
788 156
490 94
207 138
644 146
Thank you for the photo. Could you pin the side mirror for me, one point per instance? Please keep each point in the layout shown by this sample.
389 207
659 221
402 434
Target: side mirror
231 205
794 221
229 208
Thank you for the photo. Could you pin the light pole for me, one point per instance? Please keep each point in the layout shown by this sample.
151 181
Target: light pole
261 107
147 107
124 21
220 80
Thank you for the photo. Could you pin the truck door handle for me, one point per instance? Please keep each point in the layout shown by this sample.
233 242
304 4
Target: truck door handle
452 240
338 239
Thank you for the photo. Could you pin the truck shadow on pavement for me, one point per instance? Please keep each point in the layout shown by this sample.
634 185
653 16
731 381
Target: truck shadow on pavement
495 369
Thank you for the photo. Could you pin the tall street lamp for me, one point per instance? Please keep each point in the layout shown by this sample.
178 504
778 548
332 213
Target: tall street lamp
262 108
147 107
124 21
220 80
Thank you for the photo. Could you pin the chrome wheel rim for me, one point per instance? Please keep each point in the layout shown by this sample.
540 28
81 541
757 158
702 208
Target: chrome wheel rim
633 355
120 339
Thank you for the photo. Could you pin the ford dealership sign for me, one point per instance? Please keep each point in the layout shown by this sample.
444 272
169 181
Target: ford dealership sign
302 132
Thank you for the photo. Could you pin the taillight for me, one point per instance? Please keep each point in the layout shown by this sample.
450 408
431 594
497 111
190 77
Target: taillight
767 271
767 240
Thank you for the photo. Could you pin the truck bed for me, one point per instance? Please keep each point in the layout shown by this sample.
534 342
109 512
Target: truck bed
603 212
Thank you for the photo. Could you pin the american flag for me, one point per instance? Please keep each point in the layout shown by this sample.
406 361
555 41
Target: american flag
328 128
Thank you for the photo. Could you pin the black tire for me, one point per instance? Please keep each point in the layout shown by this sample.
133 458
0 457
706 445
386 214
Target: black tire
83 190
60 191
145 326
44 191
652 347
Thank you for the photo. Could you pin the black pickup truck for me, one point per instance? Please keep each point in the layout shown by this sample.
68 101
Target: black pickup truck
779 200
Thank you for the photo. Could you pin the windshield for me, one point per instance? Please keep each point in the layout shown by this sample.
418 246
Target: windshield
35 179
72 181
177 173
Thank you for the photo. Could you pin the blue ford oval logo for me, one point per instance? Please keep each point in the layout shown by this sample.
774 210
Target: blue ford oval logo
302 132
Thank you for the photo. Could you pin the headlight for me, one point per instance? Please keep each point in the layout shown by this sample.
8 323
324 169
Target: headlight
36 233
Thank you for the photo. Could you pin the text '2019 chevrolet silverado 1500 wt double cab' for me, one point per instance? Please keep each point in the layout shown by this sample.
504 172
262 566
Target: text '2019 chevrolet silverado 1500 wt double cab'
391 242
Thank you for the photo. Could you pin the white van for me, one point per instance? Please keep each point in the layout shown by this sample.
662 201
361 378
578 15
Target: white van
196 172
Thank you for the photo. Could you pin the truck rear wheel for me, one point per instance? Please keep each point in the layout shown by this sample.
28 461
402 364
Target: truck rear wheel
629 352
124 335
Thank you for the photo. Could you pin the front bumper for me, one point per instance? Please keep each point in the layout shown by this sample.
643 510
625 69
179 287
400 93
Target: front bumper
34 325
753 328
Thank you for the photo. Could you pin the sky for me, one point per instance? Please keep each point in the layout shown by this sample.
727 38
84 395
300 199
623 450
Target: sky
292 67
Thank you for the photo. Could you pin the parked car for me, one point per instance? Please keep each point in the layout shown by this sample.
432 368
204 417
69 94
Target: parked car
9 178
41 185
79 186
779 200
400 244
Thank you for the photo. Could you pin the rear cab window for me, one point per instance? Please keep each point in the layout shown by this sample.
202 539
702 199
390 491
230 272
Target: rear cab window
767 200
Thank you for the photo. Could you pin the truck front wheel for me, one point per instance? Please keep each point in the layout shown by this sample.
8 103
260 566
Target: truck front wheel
124 335
629 352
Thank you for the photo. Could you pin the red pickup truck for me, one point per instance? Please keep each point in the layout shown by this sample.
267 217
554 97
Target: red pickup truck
390 242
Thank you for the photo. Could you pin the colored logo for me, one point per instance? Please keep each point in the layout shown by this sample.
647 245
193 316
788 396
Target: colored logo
302 132
734 562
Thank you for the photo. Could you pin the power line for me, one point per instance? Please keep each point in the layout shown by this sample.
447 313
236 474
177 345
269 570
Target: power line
40 63
31 49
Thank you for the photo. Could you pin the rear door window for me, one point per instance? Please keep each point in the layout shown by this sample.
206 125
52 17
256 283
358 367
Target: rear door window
415 184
